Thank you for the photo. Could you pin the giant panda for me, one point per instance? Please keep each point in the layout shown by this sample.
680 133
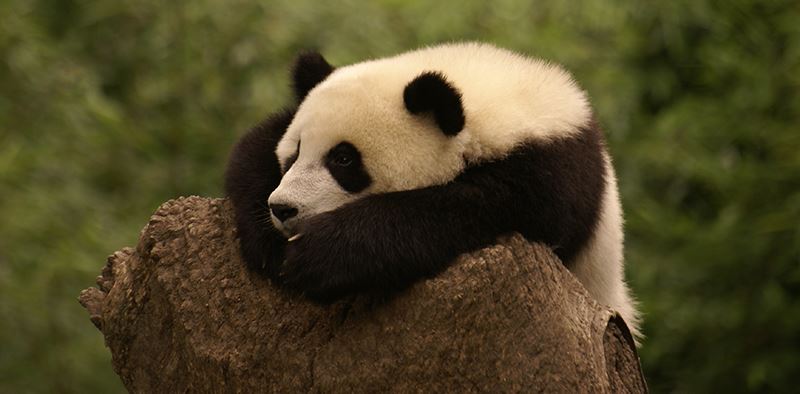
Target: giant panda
384 171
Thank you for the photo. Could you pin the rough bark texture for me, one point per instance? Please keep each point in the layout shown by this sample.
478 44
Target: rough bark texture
181 313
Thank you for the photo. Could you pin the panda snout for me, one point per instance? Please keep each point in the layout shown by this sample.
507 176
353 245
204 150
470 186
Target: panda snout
283 212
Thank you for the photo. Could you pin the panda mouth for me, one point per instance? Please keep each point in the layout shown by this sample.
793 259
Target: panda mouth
288 232
286 229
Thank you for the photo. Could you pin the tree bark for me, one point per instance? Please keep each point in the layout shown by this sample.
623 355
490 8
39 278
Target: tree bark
180 312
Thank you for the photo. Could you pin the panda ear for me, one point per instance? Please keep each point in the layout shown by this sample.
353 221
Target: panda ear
430 92
309 69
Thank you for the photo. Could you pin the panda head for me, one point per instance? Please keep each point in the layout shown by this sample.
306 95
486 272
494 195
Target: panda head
361 130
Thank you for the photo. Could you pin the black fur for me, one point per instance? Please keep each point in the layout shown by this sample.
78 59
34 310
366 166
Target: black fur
351 175
430 92
549 192
309 69
253 173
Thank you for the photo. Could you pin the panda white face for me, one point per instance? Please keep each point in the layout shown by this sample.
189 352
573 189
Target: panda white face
477 103
349 140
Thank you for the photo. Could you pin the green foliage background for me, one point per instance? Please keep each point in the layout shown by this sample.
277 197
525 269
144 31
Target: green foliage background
108 109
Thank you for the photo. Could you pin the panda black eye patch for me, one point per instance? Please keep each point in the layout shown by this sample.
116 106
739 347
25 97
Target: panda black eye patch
344 163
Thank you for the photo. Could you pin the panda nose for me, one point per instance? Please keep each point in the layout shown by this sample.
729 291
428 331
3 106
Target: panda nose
282 211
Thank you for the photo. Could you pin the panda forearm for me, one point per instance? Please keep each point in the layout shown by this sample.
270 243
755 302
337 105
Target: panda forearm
384 243
420 232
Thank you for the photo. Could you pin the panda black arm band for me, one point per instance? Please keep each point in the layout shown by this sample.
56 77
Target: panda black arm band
383 243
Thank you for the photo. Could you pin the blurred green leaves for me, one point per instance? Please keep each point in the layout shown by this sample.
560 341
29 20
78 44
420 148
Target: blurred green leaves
108 109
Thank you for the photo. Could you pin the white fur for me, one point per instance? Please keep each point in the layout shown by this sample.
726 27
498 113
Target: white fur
508 99
600 265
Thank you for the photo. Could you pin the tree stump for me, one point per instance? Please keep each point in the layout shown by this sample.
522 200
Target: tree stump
180 312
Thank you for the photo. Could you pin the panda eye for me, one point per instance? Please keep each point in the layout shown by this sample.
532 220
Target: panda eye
345 165
343 155
342 159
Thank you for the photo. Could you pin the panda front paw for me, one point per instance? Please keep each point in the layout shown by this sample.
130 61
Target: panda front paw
262 250
322 264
